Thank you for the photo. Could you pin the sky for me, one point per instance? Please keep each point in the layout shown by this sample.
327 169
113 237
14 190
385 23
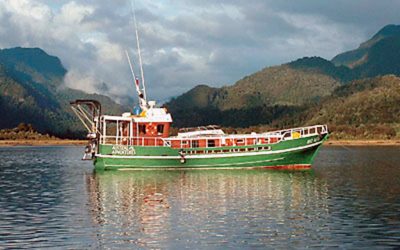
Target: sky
186 43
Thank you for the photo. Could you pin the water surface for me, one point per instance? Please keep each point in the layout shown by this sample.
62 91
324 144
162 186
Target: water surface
49 198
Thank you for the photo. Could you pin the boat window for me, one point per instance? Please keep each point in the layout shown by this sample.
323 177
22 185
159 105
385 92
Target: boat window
242 150
226 150
184 142
160 129
312 130
287 135
240 141
195 144
111 128
142 129
250 149
260 148
124 128
211 143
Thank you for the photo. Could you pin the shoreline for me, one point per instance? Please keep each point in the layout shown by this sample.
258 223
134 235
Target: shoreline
357 142
60 142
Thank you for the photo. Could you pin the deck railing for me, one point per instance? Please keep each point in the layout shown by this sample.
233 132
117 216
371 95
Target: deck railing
239 140
133 141
290 134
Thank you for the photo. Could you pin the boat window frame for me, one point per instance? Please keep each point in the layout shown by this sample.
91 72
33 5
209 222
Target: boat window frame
195 144
211 143
160 129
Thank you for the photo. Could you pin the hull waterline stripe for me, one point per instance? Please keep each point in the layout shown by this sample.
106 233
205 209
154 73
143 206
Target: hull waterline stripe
197 166
213 156
282 167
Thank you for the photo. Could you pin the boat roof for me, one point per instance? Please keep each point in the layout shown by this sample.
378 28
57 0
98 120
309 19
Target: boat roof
210 130
151 115
200 128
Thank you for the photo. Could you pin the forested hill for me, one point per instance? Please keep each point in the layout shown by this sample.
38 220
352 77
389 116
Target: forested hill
277 95
369 108
32 92
307 90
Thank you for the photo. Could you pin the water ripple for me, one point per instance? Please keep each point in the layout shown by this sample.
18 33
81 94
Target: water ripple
49 198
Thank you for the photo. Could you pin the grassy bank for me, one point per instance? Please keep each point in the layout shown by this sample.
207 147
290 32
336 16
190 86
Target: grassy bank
362 143
41 142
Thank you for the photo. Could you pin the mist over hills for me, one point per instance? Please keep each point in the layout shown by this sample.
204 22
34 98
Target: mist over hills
294 93
32 91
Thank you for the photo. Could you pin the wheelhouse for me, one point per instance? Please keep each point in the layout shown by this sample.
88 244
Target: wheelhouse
147 129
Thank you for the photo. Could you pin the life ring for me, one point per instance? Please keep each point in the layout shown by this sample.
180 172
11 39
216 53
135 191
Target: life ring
151 129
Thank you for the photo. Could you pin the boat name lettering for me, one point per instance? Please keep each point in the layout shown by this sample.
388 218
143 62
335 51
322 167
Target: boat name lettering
312 140
123 150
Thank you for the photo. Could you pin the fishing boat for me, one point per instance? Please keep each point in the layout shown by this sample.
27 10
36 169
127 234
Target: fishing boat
141 140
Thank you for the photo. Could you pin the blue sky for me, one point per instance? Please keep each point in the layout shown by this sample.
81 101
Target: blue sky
186 43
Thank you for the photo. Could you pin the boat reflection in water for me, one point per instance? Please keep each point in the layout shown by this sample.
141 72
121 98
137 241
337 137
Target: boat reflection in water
185 208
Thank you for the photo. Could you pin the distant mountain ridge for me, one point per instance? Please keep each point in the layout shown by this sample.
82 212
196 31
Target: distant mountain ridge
304 91
298 87
34 59
32 91
356 58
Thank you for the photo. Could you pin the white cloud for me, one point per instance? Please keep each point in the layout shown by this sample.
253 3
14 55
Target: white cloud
28 9
73 13
318 35
79 80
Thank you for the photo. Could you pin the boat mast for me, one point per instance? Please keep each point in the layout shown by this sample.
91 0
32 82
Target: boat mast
139 52
142 100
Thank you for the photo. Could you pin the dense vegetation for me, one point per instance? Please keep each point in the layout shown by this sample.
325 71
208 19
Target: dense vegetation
368 108
24 132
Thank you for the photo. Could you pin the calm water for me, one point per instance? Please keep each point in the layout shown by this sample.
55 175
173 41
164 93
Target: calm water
49 198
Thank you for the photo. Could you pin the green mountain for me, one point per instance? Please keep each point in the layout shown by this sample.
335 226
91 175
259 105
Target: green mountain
371 100
377 56
290 94
32 91
303 81
367 108
269 94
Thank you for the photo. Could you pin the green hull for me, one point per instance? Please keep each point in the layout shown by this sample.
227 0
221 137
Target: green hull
297 153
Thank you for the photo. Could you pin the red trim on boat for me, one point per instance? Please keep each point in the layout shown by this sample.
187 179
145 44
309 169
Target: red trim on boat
290 167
